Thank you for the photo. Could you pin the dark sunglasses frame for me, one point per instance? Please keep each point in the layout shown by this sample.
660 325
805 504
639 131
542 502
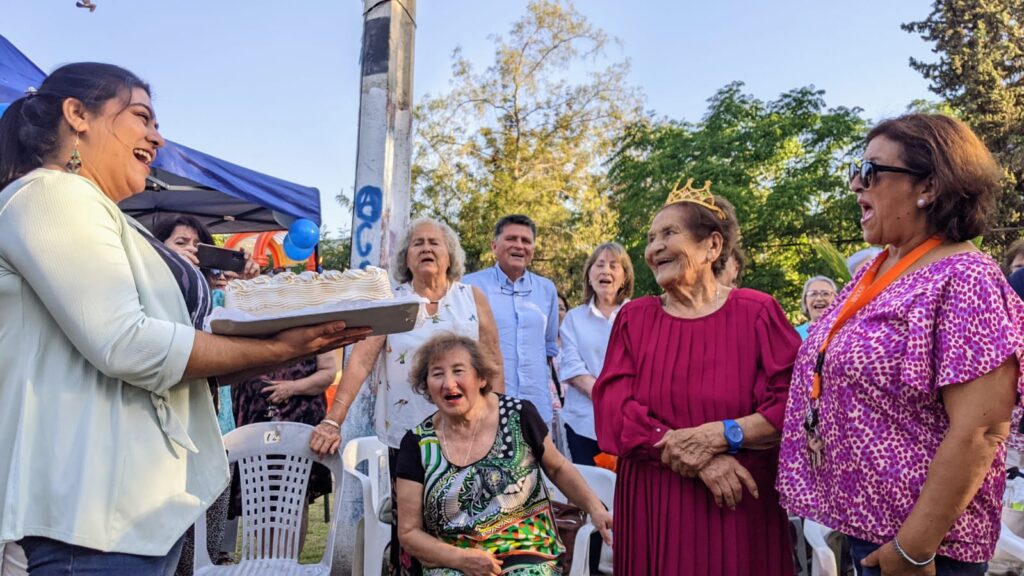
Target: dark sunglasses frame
868 168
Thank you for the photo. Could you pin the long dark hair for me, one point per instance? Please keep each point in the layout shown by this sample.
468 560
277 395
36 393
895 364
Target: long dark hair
30 127
166 226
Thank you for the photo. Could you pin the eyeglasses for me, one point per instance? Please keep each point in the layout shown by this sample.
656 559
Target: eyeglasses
513 288
512 291
820 294
867 170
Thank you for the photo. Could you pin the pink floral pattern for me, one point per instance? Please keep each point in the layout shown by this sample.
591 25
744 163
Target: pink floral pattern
881 416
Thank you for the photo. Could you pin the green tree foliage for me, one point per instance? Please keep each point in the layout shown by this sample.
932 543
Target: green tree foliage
781 163
528 134
980 73
335 252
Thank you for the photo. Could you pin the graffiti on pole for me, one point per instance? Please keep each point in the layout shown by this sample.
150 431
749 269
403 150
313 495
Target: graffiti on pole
368 208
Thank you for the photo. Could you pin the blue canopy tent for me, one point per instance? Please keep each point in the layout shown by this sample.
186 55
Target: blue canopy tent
226 197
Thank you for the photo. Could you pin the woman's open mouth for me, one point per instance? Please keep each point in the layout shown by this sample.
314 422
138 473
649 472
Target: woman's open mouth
143 155
866 212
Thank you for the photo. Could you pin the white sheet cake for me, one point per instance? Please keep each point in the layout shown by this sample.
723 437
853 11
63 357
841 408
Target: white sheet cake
267 295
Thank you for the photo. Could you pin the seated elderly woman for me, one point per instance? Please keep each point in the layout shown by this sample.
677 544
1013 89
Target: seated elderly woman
429 263
469 482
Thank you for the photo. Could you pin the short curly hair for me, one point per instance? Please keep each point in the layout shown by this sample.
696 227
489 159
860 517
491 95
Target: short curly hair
702 222
964 176
439 345
456 255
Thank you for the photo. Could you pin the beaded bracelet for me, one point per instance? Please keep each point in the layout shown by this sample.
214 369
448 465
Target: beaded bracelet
331 423
906 557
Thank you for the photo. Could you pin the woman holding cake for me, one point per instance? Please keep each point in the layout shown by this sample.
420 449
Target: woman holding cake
429 262
104 368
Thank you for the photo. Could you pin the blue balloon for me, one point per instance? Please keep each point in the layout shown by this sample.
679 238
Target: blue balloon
294 252
304 234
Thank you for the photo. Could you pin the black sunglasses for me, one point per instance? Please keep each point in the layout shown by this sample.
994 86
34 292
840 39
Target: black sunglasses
868 169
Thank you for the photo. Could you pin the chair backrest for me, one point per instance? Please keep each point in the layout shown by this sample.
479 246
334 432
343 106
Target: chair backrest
371 450
274 461
601 481
12 560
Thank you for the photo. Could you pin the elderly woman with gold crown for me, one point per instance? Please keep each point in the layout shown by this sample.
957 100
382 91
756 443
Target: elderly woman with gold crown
691 399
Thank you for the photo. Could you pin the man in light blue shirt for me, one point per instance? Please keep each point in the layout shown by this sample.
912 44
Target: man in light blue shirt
525 307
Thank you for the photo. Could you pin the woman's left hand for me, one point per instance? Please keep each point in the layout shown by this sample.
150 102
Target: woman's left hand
602 520
280 391
891 564
686 450
252 268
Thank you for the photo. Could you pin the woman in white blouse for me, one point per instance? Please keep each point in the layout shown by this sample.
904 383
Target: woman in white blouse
608 284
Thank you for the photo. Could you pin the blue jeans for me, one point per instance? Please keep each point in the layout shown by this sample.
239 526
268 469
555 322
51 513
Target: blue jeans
48 557
944 566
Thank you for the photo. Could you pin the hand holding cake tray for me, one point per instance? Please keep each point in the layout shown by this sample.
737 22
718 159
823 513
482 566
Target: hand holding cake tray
266 305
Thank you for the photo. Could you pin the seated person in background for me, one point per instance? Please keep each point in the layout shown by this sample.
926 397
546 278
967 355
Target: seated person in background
1013 260
469 484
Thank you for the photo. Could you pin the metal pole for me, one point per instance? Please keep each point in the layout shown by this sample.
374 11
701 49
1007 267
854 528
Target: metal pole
382 199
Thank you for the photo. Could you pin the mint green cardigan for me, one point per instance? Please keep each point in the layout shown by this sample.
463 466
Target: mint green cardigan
102 443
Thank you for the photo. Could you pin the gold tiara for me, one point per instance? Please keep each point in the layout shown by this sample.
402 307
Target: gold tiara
701 196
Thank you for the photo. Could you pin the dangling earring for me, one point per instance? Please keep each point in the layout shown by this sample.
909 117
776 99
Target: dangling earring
74 164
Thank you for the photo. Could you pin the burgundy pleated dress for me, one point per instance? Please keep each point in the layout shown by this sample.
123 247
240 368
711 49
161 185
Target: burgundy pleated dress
663 373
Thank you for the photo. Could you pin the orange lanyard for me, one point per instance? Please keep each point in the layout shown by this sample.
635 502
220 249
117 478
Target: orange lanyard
865 291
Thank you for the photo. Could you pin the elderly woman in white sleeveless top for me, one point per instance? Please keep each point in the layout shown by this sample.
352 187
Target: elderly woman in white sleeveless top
429 262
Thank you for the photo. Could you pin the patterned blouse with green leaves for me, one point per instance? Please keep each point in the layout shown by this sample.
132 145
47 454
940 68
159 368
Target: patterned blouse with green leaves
498 503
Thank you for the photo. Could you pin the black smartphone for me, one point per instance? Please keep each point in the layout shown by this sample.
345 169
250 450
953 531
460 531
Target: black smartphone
220 258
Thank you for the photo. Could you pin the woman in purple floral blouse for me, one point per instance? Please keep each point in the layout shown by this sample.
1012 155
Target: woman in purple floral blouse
902 393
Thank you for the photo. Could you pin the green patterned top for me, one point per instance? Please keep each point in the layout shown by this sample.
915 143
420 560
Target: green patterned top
498 503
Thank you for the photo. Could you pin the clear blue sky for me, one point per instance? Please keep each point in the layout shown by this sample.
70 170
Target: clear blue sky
274 85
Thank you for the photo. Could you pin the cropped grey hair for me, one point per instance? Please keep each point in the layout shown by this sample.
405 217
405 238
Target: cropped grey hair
807 287
456 255
861 256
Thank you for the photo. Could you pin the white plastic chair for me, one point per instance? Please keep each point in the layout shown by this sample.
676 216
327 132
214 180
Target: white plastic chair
1010 543
274 460
823 560
12 560
602 482
376 486
799 544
